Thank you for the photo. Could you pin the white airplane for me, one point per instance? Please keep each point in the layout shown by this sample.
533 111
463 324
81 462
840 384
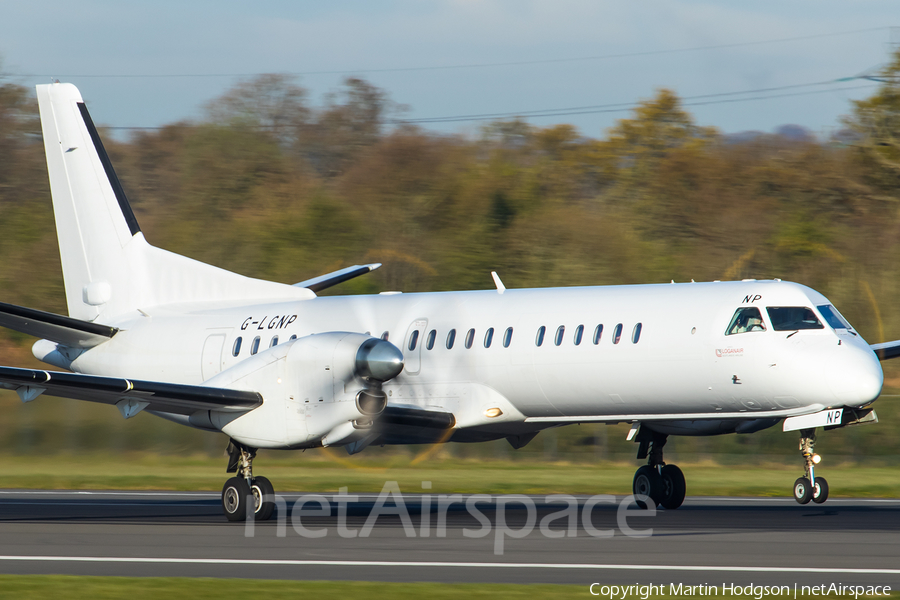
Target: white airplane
274 366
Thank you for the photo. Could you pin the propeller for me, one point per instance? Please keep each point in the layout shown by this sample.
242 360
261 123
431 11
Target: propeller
377 361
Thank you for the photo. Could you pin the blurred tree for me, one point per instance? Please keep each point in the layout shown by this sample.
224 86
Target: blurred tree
27 233
270 186
352 120
19 128
271 103
877 121
658 127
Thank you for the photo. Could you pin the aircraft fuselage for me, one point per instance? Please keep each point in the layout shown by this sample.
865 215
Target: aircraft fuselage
662 350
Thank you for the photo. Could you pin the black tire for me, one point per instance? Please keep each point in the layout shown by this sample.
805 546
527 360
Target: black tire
820 490
674 487
802 490
264 497
236 495
647 483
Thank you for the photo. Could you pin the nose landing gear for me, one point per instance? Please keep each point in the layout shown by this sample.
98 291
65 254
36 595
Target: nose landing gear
240 491
663 484
809 487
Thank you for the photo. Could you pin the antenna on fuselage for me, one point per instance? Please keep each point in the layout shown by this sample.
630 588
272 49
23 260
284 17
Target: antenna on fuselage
500 287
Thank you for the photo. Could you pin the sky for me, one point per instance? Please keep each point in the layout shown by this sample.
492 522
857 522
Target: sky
141 64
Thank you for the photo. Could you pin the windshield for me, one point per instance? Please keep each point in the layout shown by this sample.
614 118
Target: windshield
833 317
744 320
792 318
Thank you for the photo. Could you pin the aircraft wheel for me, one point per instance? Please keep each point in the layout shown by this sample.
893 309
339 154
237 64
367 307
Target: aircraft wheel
264 498
802 490
674 487
647 482
235 496
820 491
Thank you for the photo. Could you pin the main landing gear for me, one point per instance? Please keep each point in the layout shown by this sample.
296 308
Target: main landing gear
809 487
663 484
245 495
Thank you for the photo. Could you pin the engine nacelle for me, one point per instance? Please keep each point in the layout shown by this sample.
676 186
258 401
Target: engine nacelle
318 390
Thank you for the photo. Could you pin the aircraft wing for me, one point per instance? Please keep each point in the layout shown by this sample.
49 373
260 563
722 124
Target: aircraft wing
65 330
322 282
886 350
130 396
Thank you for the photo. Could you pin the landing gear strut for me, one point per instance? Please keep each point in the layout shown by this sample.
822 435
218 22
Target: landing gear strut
240 491
809 487
663 484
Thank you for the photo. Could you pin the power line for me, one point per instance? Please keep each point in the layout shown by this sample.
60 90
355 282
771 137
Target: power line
626 105
468 65
616 108
698 100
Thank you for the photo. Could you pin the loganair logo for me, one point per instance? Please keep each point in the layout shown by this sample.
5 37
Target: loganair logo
727 352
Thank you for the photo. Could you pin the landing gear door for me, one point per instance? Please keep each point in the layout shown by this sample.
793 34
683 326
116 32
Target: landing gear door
412 347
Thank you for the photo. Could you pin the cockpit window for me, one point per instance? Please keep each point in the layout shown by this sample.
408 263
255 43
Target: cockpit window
792 318
833 317
744 320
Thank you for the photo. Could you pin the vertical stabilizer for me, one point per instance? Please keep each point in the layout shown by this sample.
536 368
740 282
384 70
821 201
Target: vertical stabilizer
108 267
91 227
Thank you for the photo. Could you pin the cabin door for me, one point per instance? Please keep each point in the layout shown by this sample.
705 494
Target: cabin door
211 358
412 347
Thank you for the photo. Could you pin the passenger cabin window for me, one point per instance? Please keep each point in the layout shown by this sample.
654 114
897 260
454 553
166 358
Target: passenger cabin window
413 340
560 334
792 318
237 347
470 337
617 333
540 336
833 317
744 320
598 333
636 333
579 332
293 337
507 337
451 337
429 342
386 335
488 337
274 342
254 347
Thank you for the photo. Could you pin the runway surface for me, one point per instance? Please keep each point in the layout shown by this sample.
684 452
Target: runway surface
707 541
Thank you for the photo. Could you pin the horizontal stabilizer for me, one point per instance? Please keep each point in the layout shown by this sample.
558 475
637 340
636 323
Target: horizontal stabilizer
886 350
64 330
322 282
127 394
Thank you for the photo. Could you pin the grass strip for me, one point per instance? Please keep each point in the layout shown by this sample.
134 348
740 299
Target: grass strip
156 472
37 587
173 588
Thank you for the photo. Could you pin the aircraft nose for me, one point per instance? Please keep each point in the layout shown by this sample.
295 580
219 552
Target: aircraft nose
855 375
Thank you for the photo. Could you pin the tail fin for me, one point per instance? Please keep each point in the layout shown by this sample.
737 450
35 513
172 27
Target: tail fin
108 267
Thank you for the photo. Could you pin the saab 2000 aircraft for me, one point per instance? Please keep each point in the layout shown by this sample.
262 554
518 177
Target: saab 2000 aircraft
275 366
